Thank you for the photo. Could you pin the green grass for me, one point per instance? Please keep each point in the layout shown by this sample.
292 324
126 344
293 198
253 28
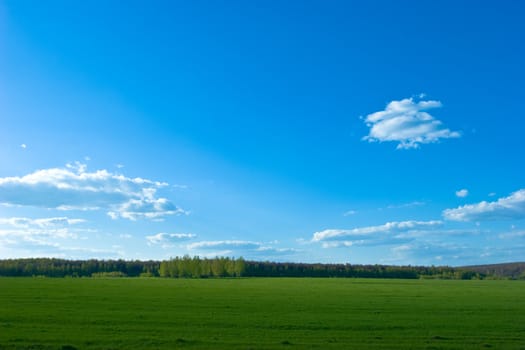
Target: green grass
260 313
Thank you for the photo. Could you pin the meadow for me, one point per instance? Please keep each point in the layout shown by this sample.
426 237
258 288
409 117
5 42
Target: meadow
260 313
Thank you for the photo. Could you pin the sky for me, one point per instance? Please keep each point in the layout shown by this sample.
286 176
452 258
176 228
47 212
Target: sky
363 132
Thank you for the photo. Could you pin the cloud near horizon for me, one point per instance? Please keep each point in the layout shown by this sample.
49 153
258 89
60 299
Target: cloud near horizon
365 232
22 222
220 245
39 236
386 234
60 237
168 239
247 249
430 253
407 122
506 208
14 228
74 188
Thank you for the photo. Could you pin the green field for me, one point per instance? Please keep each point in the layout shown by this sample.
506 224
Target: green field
260 313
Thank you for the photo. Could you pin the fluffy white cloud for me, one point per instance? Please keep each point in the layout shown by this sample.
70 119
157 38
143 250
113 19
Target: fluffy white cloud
74 188
361 233
462 193
407 122
506 208
149 208
166 239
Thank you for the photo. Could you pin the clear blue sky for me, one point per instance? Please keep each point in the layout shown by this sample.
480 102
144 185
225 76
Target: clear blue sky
341 131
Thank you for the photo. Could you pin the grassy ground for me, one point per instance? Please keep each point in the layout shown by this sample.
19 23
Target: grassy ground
43 313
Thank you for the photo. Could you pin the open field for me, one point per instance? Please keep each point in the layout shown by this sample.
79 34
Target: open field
260 313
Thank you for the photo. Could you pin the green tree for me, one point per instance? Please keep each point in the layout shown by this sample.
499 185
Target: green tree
240 267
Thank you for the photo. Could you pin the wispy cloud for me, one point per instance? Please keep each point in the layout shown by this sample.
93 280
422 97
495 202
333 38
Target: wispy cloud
512 235
368 231
224 245
349 213
22 228
429 252
167 240
453 253
462 193
506 208
22 222
38 237
407 123
148 207
38 247
248 249
406 205
381 235
50 237
75 188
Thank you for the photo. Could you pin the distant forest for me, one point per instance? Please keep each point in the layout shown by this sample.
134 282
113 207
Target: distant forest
195 267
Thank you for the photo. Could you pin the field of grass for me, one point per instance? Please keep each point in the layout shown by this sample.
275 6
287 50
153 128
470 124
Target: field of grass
260 313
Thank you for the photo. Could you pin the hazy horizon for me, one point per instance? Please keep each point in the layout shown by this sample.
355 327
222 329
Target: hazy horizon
375 132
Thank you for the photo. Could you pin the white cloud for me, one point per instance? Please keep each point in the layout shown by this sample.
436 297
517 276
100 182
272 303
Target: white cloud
30 233
506 208
21 229
214 254
74 188
360 233
223 245
21 222
37 237
407 122
350 213
512 235
39 247
23 146
149 208
388 234
247 249
462 193
167 239
406 205
428 252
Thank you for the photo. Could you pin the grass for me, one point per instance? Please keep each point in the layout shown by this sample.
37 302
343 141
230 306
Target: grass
260 313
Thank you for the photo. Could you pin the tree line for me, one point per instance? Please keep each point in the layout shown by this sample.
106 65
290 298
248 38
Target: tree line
51 267
196 267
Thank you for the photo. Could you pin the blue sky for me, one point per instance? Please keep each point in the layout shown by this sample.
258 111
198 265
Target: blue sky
341 131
